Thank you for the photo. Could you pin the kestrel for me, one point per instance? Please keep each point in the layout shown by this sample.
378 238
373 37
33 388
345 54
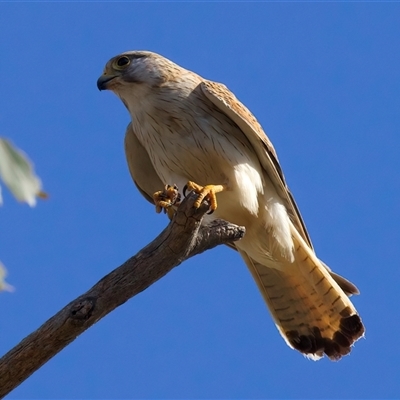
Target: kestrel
192 132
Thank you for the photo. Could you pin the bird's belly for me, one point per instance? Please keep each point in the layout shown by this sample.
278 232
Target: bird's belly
206 156
220 160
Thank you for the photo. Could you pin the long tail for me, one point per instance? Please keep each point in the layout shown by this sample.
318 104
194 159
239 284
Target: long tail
310 310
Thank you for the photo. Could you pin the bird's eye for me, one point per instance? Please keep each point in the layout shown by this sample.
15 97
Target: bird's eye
123 61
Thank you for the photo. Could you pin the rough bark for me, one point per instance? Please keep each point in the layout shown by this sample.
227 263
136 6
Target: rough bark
183 238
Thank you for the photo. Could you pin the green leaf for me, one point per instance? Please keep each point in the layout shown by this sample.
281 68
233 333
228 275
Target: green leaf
3 284
16 171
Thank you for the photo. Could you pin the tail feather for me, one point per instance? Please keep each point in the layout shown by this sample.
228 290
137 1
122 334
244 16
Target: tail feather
347 287
310 310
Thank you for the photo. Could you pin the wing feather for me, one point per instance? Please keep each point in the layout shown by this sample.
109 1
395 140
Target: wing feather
140 167
227 102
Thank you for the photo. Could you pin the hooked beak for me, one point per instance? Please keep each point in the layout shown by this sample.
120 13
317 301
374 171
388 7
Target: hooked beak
102 82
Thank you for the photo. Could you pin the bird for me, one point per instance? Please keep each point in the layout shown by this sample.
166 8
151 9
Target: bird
187 132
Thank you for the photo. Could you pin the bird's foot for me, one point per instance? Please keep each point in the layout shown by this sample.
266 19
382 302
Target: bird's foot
165 199
208 191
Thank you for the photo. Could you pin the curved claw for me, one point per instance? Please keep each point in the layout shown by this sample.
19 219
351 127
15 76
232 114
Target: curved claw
208 191
185 188
165 199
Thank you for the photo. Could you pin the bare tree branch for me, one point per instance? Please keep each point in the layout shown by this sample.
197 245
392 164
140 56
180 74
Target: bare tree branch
183 238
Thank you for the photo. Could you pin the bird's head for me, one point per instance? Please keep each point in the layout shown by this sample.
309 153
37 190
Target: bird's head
135 67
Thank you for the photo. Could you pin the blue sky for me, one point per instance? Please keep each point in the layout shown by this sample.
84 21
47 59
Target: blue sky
323 80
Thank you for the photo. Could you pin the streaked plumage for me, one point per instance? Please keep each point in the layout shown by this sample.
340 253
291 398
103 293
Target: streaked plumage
185 128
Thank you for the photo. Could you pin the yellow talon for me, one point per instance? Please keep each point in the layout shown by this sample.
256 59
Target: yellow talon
208 191
166 198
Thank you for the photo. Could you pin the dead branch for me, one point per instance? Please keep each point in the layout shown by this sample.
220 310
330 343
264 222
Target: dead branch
183 238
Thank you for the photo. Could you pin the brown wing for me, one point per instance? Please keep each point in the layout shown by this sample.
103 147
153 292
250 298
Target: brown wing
226 101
